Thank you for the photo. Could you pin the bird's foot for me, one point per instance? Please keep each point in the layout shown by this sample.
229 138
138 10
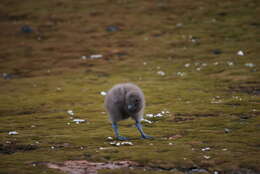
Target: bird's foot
147 137
121 138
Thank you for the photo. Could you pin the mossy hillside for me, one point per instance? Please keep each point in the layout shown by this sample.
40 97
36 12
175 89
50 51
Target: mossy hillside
49 78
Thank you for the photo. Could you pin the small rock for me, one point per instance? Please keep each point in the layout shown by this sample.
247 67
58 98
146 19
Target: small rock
12 133
215 63
96 56
109 138
112 28
205 149
77 120
103 93
240 53
230 63
127 143
149 115
161 73
70 112
83 57
187 65
206 157
181 74
26 29
198 69
227 130
216 51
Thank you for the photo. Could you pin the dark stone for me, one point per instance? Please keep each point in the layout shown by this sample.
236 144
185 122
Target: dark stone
112 28
216 51
26 29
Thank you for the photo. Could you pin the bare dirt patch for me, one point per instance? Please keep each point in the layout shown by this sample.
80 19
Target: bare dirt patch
86 167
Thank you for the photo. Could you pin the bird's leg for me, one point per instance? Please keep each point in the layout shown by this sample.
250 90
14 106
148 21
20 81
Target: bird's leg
115 128
140 129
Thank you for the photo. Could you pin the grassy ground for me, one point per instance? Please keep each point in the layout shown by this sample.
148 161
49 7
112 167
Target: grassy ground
214 103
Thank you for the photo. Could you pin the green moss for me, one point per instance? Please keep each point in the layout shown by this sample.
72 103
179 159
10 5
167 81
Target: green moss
49 77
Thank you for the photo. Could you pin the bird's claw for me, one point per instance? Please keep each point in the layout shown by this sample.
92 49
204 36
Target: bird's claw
121 138
147 137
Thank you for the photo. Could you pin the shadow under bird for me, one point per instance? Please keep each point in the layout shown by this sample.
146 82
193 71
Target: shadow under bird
122 102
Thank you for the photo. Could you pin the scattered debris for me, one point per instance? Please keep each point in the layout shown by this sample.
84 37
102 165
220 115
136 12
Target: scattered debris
206 157
13 133
161 73
147 121
70 112
215 63
123 143
83 57
240 53
198 69
77 121
160 114
103 93
250 65
187 65
181 74
227 130
230 63
96 56
58 89
109 138
205 149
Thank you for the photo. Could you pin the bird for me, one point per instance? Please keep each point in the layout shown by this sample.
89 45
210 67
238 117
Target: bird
123 101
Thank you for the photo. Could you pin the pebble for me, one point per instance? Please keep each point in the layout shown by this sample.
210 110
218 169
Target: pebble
26 29
12 133
161 73
240 53
181 74
216 51
77 120
227 130
206 157
112 28
103 93
230 63
70 112
205 149
187 65
96 56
